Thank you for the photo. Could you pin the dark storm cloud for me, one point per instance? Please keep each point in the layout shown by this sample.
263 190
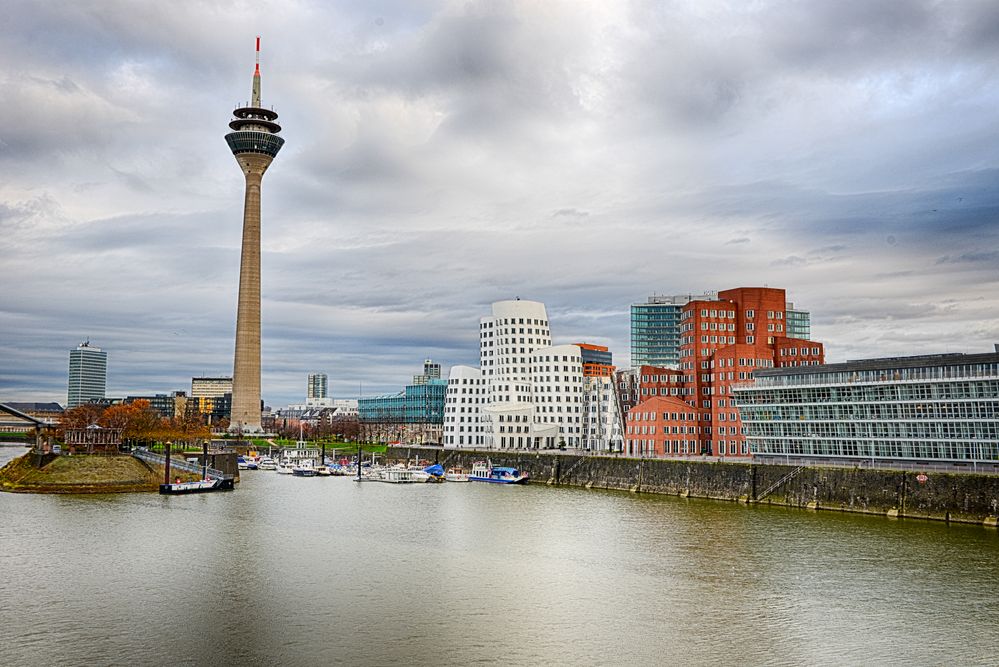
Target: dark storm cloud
443 155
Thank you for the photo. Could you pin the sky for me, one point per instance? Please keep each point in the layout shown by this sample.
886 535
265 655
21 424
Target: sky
440 156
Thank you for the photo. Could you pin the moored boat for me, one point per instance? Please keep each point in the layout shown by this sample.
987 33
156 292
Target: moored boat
456 475
484 471
305 468
200 486
395 476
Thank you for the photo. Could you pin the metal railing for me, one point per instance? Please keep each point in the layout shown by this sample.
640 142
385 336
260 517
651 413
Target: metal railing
178 463
773 487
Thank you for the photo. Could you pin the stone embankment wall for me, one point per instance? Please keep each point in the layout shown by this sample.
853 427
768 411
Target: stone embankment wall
959 497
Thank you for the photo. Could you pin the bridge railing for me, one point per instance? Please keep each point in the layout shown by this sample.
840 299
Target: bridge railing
144 454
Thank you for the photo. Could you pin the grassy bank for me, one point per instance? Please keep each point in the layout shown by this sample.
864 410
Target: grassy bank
80 474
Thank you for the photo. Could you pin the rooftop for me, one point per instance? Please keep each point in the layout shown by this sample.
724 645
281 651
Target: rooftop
885 363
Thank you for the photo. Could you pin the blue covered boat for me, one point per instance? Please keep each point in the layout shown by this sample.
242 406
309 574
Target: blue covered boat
483 471
435 473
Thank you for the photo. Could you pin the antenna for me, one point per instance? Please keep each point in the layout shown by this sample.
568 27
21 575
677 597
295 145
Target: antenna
255 101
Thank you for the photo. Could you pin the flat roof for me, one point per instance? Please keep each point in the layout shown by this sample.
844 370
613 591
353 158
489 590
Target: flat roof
885 363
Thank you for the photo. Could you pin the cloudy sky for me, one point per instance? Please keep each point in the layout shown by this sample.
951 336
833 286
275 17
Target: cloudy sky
444 155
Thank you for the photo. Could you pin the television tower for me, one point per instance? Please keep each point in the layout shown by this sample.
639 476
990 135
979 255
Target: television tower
254 143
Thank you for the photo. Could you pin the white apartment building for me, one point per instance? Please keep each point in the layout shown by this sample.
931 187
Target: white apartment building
463 401
527 394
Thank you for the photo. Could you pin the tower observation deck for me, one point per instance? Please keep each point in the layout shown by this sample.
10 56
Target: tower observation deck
254 143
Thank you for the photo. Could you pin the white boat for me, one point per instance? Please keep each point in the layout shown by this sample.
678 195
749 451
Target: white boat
323 471
456 475
305 468
419 474
395 476
267 463
285 468
485 471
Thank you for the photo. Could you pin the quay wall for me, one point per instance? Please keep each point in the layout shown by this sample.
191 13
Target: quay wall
943 496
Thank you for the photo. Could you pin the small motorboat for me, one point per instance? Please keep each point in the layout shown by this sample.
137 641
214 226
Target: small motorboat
285 468
484 471
456 475
267 463
200 486
304 468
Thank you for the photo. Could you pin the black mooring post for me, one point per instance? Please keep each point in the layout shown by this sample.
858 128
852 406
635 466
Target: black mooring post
204 459
166 465
358 462
322 456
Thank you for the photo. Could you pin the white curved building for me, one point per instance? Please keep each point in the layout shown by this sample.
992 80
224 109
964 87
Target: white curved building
528 394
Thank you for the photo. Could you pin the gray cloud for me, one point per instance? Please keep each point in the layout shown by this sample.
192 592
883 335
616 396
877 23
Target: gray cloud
444 155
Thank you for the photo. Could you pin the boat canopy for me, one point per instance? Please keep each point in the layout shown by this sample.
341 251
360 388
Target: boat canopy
499 469
436 469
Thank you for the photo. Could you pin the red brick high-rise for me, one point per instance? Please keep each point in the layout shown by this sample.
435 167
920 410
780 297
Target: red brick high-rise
722 342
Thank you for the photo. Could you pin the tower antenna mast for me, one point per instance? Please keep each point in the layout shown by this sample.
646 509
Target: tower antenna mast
255 102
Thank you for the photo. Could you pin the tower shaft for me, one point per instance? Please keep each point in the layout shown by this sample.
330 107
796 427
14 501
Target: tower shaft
246 363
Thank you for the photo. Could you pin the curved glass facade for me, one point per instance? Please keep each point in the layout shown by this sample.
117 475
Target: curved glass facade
254 142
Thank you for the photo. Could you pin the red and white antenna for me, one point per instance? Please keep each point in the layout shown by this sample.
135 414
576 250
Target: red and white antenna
256 79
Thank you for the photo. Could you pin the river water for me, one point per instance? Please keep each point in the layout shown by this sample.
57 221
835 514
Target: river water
292 571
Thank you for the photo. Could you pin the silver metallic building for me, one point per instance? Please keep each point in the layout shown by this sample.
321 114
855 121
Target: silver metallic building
941 408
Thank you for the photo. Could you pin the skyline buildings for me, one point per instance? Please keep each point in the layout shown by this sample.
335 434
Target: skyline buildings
723 342
88 374
254 143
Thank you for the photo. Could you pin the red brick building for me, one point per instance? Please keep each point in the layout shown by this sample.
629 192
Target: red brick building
662 426
721 343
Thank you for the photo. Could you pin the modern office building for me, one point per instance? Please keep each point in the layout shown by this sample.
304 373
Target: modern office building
655 330
415 414
527 394
317 385
88 374
254 141
598 361
799 323
934 408
723 341
210 387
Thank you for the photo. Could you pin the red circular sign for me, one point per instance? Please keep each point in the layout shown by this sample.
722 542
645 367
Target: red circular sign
921 478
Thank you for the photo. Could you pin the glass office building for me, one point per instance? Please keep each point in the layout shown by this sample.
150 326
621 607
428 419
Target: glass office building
88 374
655 330
936 408
416 404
